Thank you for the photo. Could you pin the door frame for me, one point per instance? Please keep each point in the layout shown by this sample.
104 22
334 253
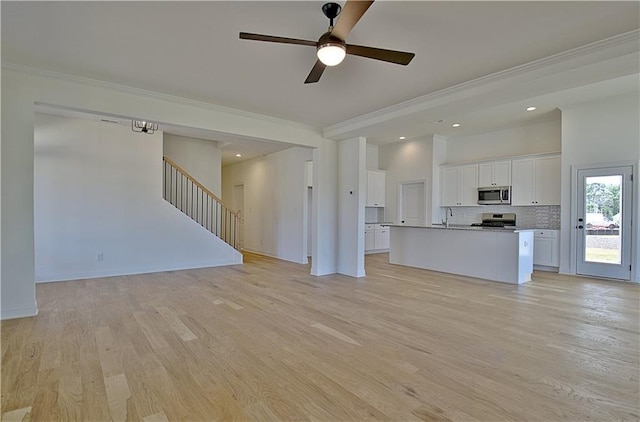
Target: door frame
635 214
399 199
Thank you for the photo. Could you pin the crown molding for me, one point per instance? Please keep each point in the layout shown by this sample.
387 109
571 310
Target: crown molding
50 74
628 42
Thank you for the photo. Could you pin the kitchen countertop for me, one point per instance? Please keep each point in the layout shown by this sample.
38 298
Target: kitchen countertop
466 227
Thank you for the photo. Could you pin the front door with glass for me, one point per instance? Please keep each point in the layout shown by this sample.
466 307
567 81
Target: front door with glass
603 230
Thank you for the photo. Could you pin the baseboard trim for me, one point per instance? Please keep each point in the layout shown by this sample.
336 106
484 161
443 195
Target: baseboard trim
372 251
84 275
273 256
14 312
545 268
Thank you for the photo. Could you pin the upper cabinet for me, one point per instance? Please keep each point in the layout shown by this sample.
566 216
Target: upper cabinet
376 183
459 186
536 181
497 173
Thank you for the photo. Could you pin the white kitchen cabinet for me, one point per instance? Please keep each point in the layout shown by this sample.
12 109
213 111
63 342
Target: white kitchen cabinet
369 241
535 181
376 238
381 238
459 186
496 173
545 248
376 183
449 186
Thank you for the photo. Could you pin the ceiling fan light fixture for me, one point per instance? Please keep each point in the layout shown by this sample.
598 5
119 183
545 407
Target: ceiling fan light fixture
331 53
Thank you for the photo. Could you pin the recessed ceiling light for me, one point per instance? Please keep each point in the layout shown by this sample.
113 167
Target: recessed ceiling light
402 137
456 125
238 155
531 108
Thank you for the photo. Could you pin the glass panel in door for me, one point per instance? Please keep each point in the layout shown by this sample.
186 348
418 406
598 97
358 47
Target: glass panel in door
604 211
603 219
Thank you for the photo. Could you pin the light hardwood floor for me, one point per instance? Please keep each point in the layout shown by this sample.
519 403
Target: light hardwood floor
266 341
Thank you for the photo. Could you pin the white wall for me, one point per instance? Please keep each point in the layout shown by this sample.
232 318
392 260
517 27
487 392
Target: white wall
201 158
405 161
601 132
24 87
352 191
275 191
522 140
98 190
372 157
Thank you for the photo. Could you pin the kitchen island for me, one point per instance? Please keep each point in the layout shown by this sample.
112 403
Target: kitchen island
497 254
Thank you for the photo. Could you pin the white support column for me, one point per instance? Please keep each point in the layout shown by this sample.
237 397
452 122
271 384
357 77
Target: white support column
352 157
18 280
438 157
324 250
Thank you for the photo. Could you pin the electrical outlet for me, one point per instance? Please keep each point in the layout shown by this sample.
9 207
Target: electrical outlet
100 256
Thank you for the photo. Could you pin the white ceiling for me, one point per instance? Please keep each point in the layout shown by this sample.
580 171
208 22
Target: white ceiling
192 50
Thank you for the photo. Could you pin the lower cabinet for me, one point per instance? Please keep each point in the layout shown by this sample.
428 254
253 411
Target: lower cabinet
381 238
376 238
369 241
545 248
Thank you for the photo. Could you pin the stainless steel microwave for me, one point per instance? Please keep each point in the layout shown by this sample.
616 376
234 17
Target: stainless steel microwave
494 195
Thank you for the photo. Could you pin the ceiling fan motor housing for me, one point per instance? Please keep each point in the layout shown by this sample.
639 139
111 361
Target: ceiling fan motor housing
331 10
328 39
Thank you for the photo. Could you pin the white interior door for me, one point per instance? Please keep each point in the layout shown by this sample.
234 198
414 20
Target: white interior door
603 229
412 204
238 201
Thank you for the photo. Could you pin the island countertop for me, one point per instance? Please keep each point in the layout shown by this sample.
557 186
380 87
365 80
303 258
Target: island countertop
492 253
465 227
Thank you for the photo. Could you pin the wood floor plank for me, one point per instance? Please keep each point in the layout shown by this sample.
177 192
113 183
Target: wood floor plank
176 324
18 415
156 417
118 394
267 341
335 333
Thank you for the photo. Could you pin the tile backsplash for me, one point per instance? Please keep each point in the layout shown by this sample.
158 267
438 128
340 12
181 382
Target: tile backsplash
373 215
541 217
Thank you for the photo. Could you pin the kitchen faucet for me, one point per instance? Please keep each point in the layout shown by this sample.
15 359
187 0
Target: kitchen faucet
447 212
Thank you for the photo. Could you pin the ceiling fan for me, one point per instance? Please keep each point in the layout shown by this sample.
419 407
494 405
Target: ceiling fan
331 47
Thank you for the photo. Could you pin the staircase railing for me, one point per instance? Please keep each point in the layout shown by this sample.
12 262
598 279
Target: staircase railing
188 195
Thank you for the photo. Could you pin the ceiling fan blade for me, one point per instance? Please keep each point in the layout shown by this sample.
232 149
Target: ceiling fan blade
271 38
316 72
350 15
391 56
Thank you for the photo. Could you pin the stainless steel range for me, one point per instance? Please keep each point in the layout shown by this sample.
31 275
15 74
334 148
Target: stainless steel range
506 220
